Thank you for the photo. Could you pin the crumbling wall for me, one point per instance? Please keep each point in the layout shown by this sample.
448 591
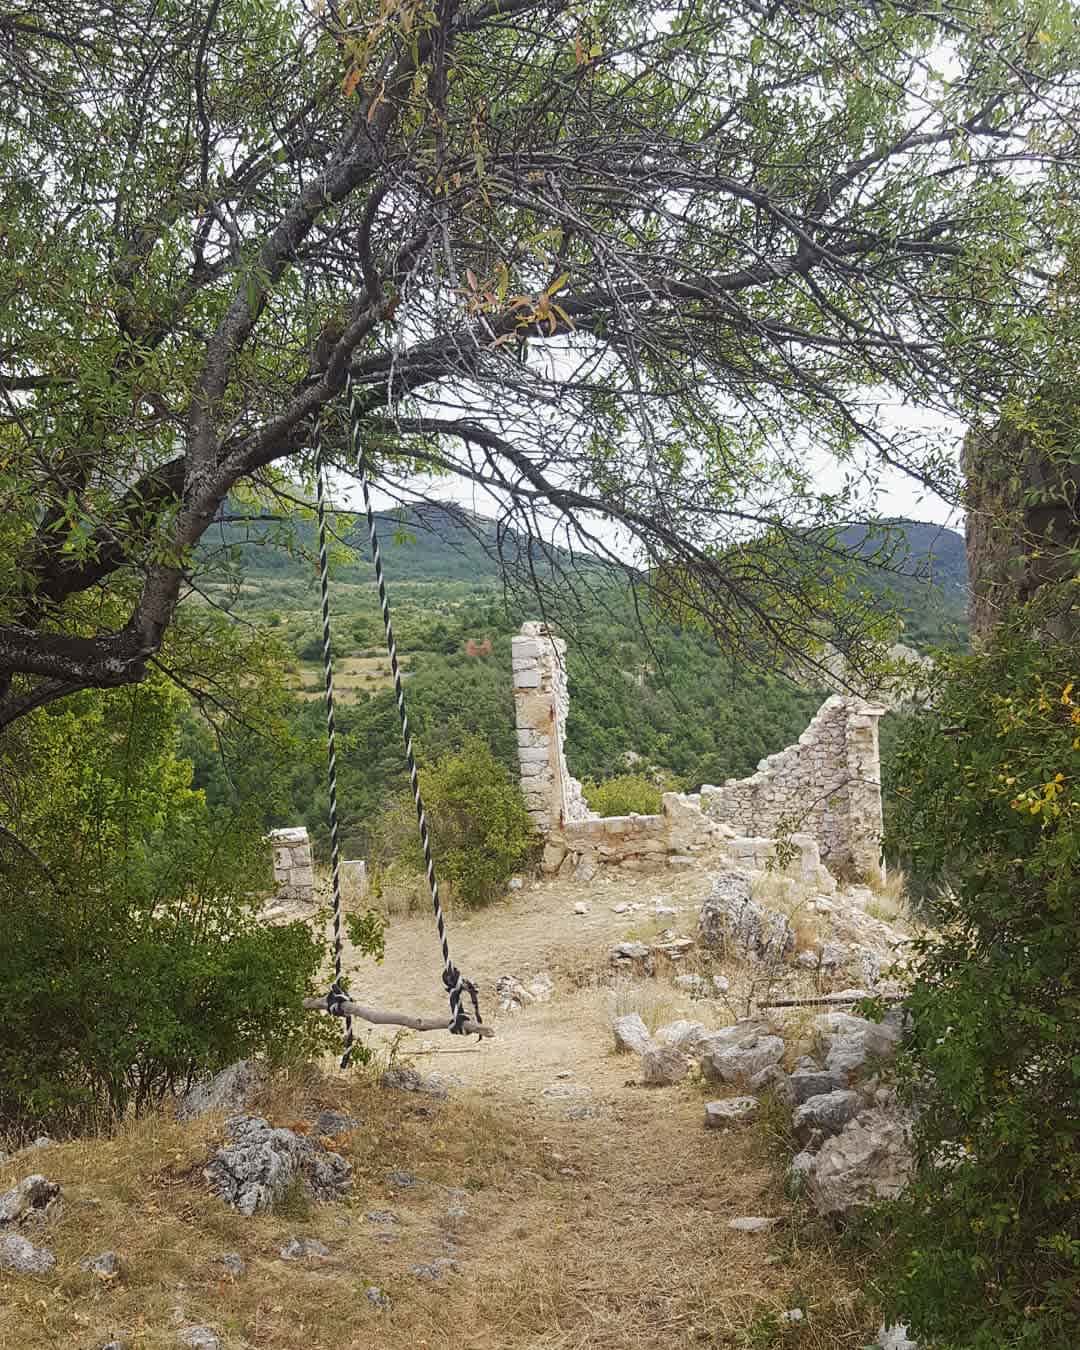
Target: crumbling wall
827 784
294 875
825 790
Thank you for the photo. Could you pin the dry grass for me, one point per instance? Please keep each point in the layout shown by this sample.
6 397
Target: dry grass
600 1231
352 675
890 902
577 1235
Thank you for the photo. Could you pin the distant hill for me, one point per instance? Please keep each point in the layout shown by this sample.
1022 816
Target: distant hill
923 552
427 542
916 568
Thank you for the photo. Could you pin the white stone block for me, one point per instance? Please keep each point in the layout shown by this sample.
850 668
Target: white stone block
527 679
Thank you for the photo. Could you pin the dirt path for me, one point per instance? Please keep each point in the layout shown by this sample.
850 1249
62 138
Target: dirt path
550 1203
622 1239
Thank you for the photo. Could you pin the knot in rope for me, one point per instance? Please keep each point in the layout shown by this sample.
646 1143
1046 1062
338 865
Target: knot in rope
336 1000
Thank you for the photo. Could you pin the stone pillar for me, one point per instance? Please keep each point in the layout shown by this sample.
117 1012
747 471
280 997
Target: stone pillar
541 702
294 875
865 821
354 877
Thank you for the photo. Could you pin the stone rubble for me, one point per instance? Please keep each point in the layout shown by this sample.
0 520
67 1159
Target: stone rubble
405 1078
631 1034
229 1090
20 1256
30 1198
732 921
200 1338
259 1163
730 1111
299 1249
106 1266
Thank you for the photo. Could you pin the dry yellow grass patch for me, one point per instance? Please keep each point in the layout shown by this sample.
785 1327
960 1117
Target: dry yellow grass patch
604 1232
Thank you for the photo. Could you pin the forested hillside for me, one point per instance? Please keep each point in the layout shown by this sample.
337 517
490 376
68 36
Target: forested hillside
645 695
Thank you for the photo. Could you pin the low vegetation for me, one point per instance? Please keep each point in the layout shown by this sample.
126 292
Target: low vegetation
132 955
480 830
988 816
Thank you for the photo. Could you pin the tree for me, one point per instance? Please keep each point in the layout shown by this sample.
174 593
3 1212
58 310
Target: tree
986 1241
605 260
133 956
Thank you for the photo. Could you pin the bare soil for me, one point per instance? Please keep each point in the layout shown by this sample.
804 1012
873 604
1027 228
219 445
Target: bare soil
580 1210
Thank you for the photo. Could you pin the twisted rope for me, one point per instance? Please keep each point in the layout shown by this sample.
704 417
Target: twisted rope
454 982
336 998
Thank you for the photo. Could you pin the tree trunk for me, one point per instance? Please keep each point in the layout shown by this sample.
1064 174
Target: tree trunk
1023 519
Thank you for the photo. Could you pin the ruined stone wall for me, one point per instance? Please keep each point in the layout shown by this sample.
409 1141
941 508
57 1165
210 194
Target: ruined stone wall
828 784
541 702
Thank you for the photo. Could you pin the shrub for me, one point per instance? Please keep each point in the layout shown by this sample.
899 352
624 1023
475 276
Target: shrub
987 805
480 830
132 957
628 794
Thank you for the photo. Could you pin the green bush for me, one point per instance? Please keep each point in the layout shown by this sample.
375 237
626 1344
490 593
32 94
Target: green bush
987 810
480 830
132 957
628 794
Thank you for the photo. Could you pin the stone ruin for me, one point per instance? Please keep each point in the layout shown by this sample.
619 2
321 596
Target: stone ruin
822 794
294 875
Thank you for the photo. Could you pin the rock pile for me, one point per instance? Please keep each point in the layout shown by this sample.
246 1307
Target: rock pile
853 1138
260 1163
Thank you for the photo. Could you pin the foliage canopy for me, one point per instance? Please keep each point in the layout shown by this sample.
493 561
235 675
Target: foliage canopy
605 260
132 954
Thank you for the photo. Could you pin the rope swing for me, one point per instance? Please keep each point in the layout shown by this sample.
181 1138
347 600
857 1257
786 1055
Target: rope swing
456 985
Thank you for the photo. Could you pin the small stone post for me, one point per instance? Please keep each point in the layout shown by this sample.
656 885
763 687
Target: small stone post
294 875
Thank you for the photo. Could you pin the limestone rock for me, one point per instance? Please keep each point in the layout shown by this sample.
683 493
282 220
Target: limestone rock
259 1163
869 1160
807 1083
774 1080
828 1112
377 1296
682 1035
853 1042
22 1257
105 1267
754 1224
298 1249
233 1263
633 956
32 1195
407 1079
200 1338
631 1034
894 1338
663 1065
672 947
738 1053
403 1181
229 1090
441 1266
730 1111
332 1123
693 985
731 920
